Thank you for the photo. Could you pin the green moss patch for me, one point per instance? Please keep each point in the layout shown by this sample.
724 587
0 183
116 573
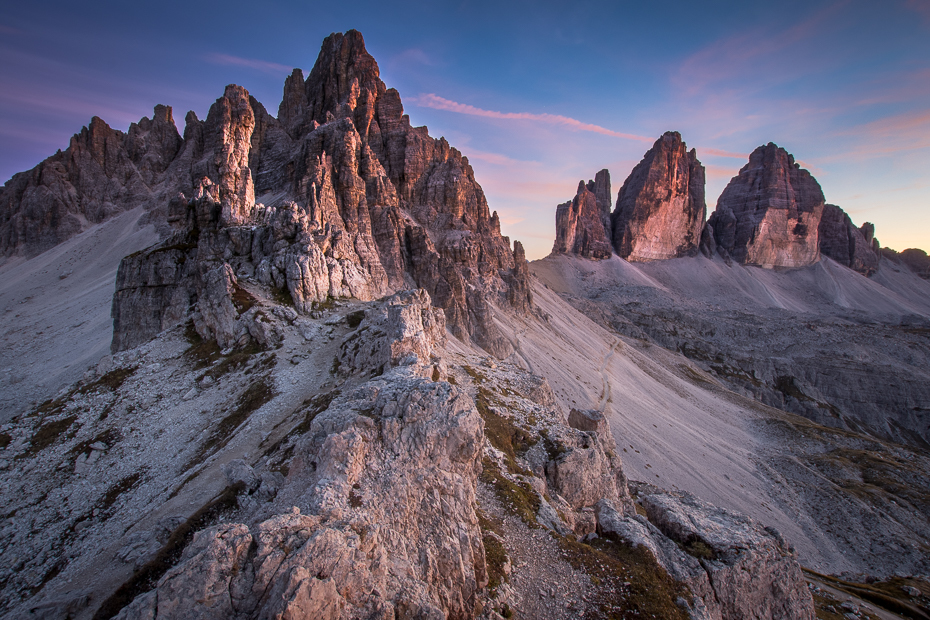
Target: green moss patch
147 577
502 432
242 299
629 582
518 498
49 433
257 394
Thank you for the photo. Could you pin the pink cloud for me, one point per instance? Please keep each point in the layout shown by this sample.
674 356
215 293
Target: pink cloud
251 63
494 158
436 102
8 30
719 153
720 172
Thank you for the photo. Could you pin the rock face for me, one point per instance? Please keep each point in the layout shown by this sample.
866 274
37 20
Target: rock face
582 225
769 214
914 259
734 567
384 523
352 202
102 173
660 208
854 247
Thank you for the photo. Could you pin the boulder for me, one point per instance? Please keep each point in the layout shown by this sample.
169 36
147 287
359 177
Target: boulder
591 421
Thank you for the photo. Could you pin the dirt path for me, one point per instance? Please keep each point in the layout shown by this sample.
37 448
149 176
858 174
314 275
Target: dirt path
518 350
605 378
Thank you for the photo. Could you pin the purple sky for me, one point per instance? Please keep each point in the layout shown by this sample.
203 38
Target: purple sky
536 95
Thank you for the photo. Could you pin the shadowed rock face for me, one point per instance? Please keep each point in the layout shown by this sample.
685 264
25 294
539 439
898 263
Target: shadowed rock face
770 213
660 208
352 201
582 225
101 174
854 247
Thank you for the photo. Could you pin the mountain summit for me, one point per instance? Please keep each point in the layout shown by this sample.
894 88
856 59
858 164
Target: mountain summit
338 197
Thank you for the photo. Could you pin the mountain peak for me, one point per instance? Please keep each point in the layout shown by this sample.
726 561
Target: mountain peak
769 214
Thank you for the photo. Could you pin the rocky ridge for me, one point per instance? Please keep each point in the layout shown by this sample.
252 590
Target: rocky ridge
856 248
102 173
347 495
357 203
771 215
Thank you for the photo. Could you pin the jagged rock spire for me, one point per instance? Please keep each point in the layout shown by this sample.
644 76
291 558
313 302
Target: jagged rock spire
660 208
579 224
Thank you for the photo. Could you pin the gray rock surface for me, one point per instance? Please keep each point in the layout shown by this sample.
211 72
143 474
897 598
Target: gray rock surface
769 214
660 208
750 570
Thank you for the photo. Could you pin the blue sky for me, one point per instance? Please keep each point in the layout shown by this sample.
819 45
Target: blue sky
537 95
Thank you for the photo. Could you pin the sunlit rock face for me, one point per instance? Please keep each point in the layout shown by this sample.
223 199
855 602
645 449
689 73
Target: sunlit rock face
769 214
660 208
582 225
854 247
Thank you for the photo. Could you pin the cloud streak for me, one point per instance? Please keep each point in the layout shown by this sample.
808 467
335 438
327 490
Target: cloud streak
250 63
430 100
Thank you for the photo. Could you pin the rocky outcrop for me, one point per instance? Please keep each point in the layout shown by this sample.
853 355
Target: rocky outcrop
660 208
854 247
338 197
769 214
914 259
383 524
581 226
734 567
101 174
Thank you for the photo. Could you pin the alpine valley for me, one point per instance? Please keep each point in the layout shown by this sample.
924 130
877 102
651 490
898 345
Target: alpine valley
287 367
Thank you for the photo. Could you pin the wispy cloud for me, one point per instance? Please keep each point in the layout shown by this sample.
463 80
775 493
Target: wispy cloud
413 56
251 63
891 135
719 153
4 29
497 158
436 102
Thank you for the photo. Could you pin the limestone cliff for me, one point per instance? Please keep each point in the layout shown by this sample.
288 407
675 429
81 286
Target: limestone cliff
660 208
769 214
854 247
582 225
338 197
